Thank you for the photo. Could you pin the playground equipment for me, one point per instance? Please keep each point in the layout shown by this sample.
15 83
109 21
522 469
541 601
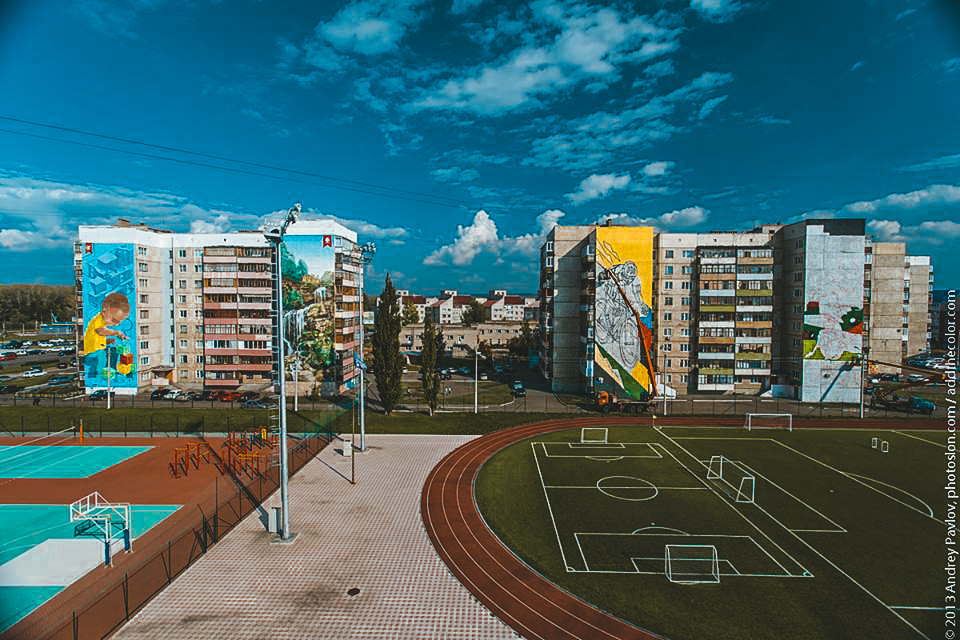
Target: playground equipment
252 452
97 517
182 458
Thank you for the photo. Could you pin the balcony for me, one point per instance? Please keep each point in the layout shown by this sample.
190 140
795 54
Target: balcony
717 308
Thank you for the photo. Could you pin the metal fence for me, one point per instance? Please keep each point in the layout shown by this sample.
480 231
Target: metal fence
99 604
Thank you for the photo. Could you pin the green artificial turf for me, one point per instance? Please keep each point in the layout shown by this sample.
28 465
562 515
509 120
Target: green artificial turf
826 503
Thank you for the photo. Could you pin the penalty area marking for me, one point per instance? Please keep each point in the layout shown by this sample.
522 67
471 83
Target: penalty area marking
910 435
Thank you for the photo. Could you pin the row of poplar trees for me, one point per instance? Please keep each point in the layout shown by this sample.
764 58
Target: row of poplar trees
388 362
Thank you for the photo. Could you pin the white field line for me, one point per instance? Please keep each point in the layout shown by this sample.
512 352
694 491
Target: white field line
907 435
838 529
920 608
731 505
546 496
855 479
629 487
907 493
576 536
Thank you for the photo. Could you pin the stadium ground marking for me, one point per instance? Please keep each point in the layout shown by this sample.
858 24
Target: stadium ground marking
887 484
839 529
656 490
595 445
841 571
624 445
920 608
52 465
852 477
546 496
735 510
586 565
909 435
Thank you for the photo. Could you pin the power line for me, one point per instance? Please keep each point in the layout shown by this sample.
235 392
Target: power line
338 183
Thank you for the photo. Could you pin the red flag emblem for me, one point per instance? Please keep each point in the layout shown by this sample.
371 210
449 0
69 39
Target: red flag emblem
328 241
89 247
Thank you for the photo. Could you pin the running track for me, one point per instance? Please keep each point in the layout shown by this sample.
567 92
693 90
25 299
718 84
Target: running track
521 597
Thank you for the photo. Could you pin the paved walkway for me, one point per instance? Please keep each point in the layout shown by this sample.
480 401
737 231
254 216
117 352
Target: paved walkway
368 536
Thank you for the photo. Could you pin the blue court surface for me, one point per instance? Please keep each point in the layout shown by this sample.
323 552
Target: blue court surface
40 556
33 461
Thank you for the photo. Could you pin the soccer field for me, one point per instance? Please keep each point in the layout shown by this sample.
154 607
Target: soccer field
728 533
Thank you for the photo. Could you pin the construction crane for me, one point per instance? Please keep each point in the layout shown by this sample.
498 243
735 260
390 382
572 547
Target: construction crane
888 397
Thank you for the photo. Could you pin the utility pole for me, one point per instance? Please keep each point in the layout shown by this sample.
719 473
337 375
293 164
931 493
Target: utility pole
476 371
273 232
366 255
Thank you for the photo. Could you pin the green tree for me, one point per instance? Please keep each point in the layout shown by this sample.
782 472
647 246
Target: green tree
474 313
386 348
428 365
409 315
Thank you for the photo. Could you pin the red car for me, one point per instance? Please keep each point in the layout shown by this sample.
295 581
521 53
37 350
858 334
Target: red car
229 396
8 356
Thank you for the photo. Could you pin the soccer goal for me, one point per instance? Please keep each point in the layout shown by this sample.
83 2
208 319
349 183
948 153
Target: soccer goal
768 421
736 481
593 435
692 563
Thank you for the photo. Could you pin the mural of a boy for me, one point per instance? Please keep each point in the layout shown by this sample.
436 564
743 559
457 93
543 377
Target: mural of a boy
99 337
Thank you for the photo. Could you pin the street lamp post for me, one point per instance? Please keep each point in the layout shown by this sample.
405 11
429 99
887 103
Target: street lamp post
476 372
274 232
366 255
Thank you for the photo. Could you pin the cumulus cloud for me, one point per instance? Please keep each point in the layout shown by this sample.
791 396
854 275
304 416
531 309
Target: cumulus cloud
482 236
566 45
689 217
709 106
951 65
657 169
454 175
936 164
598 186
716 10
363 228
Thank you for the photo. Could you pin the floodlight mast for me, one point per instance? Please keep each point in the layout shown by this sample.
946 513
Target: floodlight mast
366 255
274 232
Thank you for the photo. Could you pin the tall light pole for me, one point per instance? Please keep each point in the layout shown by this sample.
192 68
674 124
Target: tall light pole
476 371
273 232
366 255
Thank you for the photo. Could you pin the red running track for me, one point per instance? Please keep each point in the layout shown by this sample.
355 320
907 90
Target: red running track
533 606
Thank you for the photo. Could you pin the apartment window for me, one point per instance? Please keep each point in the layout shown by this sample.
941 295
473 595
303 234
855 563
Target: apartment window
144 314
668 284
668 316
688 253
797 293
198 344
183 253
666 347
684 316
685 284
144 329
199 359
797 259
141 251
684 364
685 347
183 328
668 253
797 276
685 331
145 360
182 284
183 268
668 301
198 328
669 377
144 298
668 332
183 313
183 344
685 301
198 253
182 299
686 270
144 344
183 359
198 313
198 284
142 266
548 262
549 247
684 378
198 268
798 308
198 299
668 270
143 282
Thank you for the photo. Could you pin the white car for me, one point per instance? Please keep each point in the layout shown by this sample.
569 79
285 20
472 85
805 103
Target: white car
44 344
33 373
21 352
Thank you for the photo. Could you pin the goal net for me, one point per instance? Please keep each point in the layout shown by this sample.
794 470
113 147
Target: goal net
593 435
768 421
692 563
735 481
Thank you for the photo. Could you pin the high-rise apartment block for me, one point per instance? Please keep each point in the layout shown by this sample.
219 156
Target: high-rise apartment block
783 308
199 309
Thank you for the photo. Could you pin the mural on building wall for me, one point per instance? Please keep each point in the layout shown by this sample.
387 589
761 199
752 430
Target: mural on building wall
109 308
308 264
832 317
623 327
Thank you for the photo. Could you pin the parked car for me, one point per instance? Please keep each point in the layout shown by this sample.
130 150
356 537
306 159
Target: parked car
62 379
517 384
159 394
254 404
916 377
32 373
250 395
8 356
101 394
34 352
210 394
229 396
889 377
483 375
8 388
519 392
62 365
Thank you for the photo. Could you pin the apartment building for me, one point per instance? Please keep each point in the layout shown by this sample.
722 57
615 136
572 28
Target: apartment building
198 310
781 308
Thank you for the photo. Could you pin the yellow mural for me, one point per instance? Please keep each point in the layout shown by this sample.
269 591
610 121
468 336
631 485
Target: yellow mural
623 328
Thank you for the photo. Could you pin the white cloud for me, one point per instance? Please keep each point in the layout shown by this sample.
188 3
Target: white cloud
657 169
363 229
943 162
598 186
28 240
454 175
370 27
709 106
951 65
885 230
660 69
578 44
482 236
717 10
773 120
689 217
933 196
593 140
462 6
856 65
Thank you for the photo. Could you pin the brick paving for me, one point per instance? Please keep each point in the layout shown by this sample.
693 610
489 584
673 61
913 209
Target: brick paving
368 536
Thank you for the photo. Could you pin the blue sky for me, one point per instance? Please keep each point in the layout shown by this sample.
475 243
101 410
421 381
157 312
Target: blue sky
454 134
